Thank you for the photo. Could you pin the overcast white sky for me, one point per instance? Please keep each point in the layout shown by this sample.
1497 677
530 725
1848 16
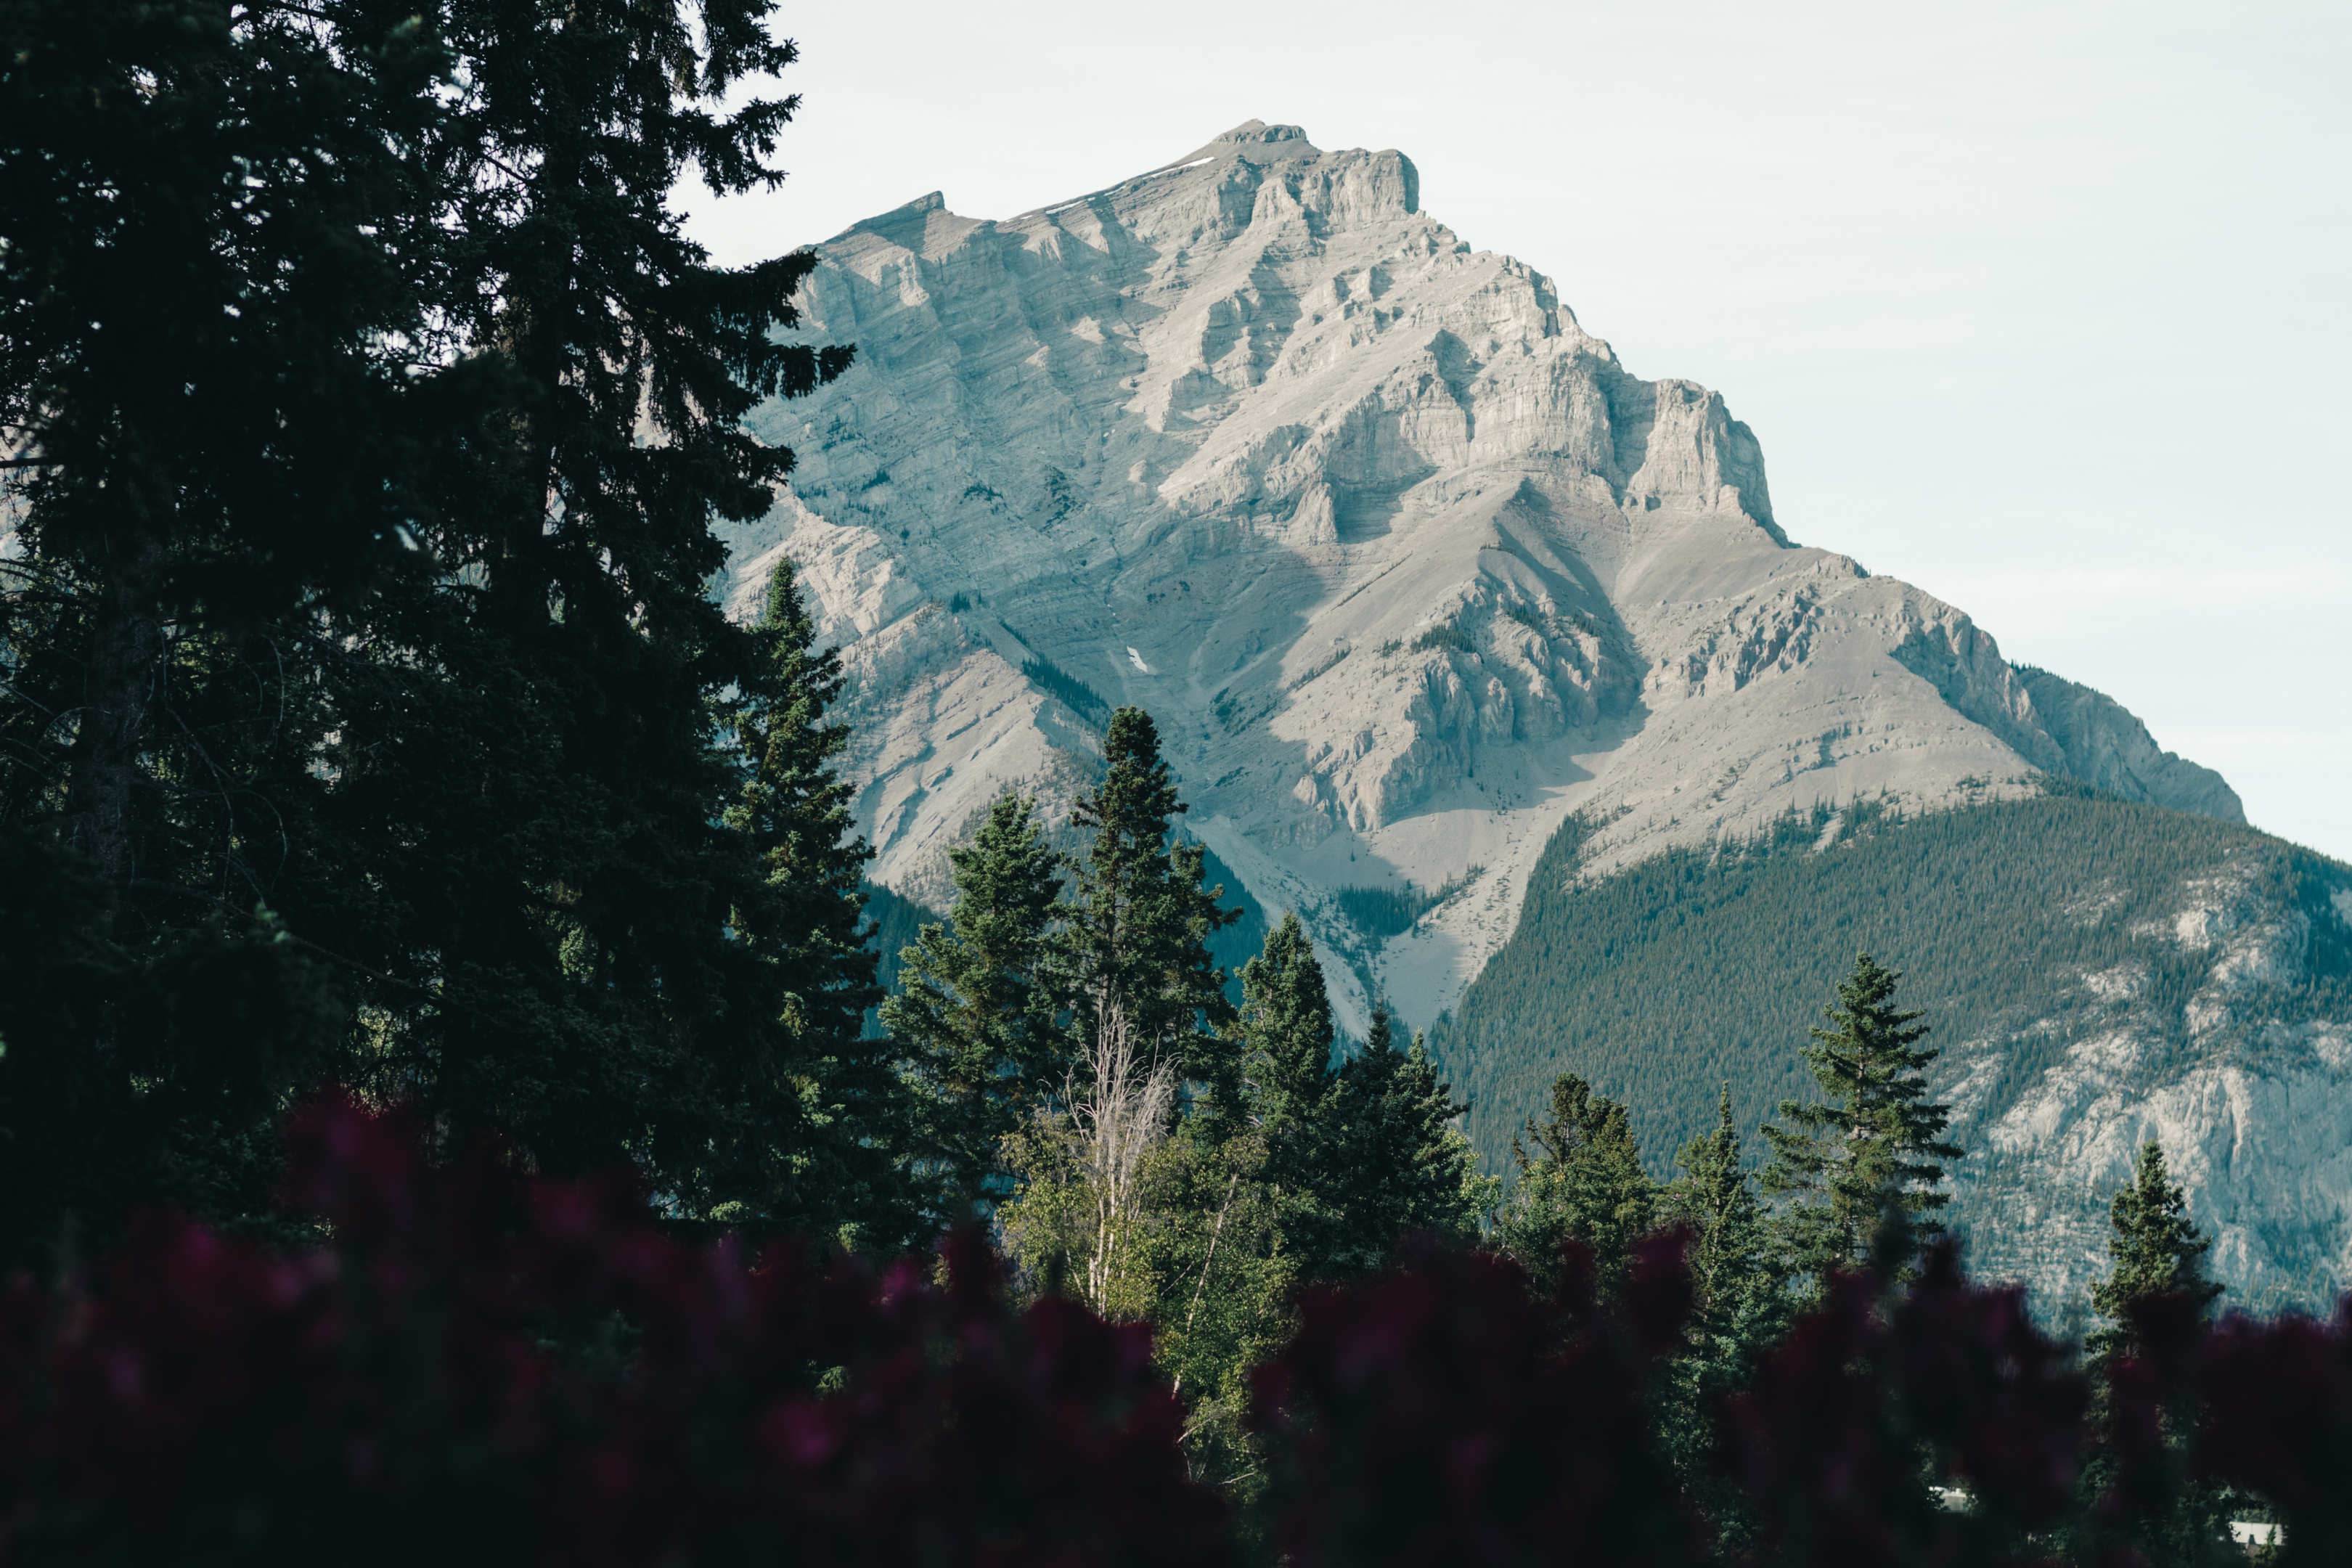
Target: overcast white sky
2039 306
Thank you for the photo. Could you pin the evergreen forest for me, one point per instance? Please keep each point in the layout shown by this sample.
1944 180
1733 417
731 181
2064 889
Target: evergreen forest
1992 912
461 1098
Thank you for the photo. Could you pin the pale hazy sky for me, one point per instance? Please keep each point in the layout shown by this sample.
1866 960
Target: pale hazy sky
2042 307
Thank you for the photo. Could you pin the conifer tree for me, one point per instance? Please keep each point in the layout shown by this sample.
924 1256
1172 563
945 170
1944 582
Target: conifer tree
210 409
1737 1304
599 941
1583 1180
1868 1153
2179 1521
1715 1197
2157 1251
1141 918
1286 1039
974 1013
839 1163
1397 1161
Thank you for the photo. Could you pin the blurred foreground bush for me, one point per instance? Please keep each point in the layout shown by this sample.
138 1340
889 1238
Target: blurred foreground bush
470 1366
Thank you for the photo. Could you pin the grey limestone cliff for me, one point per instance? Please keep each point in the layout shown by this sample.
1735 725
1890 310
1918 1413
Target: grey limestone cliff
1407 565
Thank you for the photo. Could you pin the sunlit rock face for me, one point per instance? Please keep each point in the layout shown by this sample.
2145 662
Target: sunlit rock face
1406 564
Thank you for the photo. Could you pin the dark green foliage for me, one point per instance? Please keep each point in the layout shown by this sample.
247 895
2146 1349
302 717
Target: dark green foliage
366 579
1693 969
826 1117
202 1032
1141 915
1392 1162
1074 694
207 219
2157 1251
1868 1153
1383 911
1286 1039
975 1013
1448 635
1583 1180
2137 1492
1738 1305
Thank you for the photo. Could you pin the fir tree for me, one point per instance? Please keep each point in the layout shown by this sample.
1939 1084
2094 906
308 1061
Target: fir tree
1286 1039
591 936
2157 1251
837 1164
974 1013
1583 1180
1141 920
1868 1153
1288 1088
1396 1161
212 398
1715 1197
2182 1522
1737 1304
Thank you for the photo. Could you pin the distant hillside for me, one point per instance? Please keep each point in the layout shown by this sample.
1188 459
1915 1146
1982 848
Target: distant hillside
2094 970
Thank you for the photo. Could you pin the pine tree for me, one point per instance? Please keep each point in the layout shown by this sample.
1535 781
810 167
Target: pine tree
598 941
1738 1302
1869 1151
2157 1251
1396 1159
1584 1181
1286 1039
211 398
2180 1521
1289 1086
1141 918
831 1147
1715 1197
974 1012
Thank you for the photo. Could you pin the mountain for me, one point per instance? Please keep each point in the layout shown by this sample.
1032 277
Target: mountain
1414 574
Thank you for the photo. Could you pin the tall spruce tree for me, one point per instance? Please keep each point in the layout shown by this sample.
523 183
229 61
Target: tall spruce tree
1583 1180
829 1117
2157 1251
2179 1521
1395 1159
210 405
605 946
1738 1302
1141 918
367 579
1869 1151
1286 1039
975 1010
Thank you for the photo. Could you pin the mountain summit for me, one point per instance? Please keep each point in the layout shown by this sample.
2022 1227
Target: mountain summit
1409 567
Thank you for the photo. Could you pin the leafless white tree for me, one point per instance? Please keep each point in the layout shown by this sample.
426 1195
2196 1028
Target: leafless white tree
1117 1120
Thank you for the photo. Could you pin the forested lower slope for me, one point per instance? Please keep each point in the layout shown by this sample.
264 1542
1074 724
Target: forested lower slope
2039 935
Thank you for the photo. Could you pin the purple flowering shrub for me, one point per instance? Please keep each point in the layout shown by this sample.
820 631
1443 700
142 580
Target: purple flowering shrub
478 1368
473 1366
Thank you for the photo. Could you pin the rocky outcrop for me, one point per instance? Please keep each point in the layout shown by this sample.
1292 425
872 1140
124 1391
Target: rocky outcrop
1407 565
2247 1087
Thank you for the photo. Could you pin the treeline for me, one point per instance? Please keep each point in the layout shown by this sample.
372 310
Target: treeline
1994 911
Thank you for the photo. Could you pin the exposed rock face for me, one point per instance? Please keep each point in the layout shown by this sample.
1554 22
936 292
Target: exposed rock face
1406 563
2249 1094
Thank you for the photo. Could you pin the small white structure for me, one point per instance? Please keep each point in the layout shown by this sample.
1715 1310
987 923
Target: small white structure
2253 1533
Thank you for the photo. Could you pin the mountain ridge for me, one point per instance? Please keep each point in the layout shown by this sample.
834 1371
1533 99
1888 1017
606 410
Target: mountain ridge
1407 565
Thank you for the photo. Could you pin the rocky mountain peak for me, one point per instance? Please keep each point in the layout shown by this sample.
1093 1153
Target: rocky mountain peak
1408 565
